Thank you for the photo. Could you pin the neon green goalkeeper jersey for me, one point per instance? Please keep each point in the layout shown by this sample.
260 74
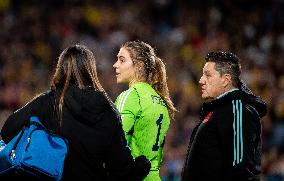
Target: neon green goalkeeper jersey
145 121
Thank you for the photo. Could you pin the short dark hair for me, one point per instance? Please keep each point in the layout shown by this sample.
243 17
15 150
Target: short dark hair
226 63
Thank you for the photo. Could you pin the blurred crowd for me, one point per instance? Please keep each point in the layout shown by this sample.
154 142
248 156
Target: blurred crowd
34 32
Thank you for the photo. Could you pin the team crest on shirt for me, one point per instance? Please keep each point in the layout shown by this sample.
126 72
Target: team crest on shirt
158 100
206 119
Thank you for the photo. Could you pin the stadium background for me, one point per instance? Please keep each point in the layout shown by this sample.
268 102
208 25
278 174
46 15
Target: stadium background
34 32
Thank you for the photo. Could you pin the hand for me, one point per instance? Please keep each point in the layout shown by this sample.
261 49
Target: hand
142 166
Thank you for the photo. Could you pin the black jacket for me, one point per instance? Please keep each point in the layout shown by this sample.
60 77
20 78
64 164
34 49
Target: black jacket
226 145
97 146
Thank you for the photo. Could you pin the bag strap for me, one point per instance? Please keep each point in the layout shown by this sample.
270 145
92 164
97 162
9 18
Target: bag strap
39 125
22 132
31 122
19 138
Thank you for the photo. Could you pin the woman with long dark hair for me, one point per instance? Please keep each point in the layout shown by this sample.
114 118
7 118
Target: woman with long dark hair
77 108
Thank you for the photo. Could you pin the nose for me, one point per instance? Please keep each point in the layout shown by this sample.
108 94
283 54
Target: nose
201 80
115 65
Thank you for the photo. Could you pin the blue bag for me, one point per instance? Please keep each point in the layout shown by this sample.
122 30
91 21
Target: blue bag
35 151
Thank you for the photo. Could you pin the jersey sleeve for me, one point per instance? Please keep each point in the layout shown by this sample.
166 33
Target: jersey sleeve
239 136
128 105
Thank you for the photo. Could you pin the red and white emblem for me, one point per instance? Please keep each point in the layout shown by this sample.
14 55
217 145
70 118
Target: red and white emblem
206 119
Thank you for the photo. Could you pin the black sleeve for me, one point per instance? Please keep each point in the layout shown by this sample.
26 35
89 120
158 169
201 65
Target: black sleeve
18 119
184 172
120 163
239 134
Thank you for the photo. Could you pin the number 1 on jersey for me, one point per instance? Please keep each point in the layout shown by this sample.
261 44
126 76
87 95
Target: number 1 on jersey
159 124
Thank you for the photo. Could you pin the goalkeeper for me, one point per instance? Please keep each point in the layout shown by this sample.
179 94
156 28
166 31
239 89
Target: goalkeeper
146 108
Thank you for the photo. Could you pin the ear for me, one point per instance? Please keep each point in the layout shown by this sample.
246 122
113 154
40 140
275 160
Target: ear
227 80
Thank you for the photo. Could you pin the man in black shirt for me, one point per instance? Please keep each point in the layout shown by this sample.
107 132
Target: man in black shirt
226 144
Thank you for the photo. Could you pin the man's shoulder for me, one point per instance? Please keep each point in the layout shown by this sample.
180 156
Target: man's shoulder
231 105
235 109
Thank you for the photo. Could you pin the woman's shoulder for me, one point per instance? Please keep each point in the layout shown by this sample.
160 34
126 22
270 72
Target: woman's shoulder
89 98
141 85
143 88
92 105
40 97
129 94
90 93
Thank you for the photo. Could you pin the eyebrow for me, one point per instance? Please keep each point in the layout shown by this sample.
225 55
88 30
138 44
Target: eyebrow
206 71
120 56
